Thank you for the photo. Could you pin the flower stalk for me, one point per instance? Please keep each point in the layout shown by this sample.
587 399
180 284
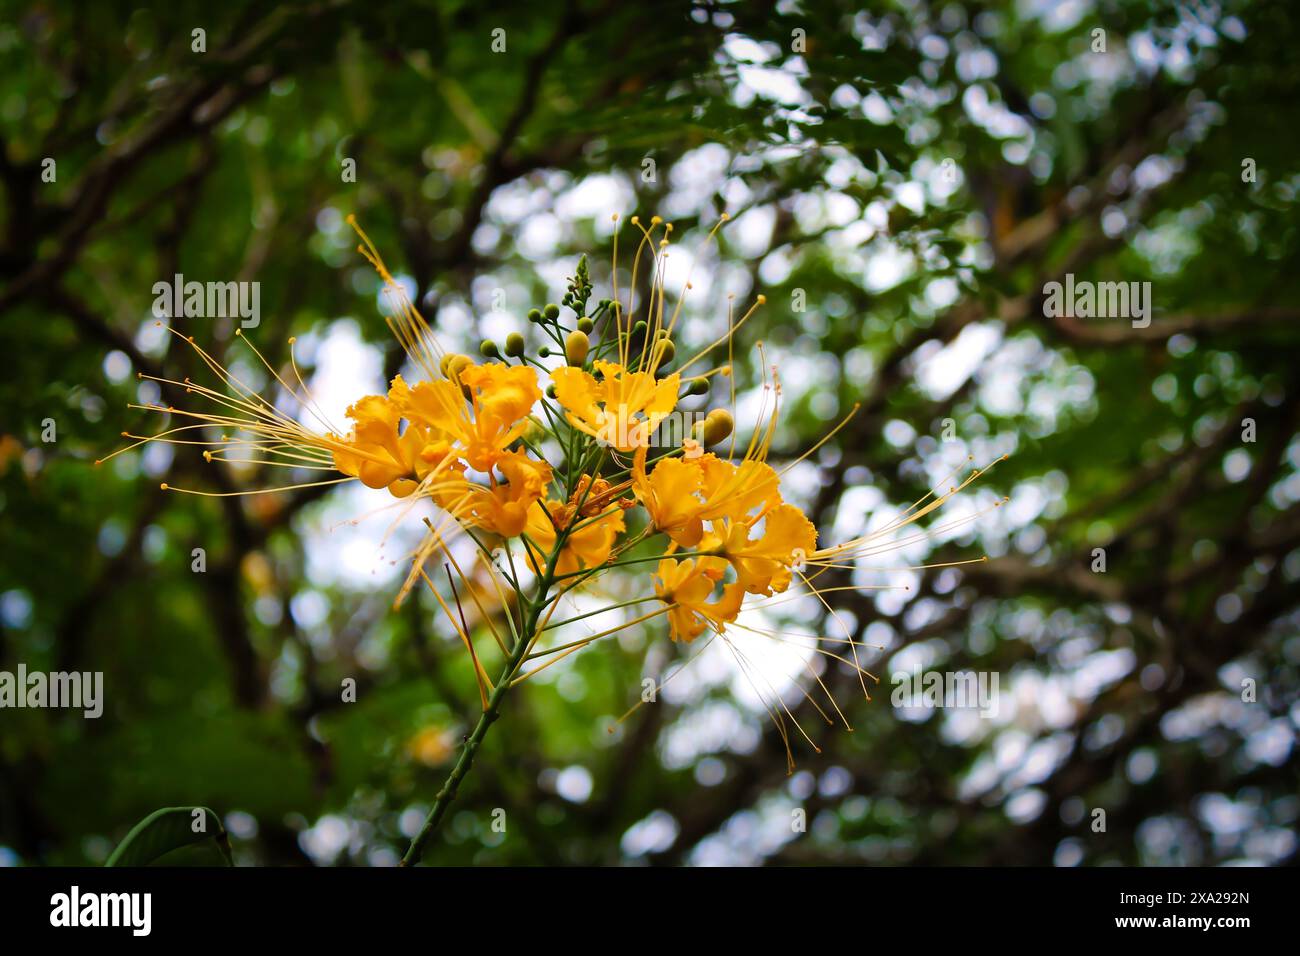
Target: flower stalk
451 786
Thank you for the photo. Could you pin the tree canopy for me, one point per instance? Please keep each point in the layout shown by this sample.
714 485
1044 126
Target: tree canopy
904 182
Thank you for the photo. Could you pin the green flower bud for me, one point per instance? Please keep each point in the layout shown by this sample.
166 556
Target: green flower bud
576 346
544 351
534 315
550 391
446 362
514 345
716 427
489 349
698 386
455 364
585 324
552 312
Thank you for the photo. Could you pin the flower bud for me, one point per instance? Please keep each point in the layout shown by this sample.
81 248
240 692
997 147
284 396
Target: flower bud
534 315
514 345
488 348
451 363
455 364
716 427
698 386
576 346
552 312
667 351
585 324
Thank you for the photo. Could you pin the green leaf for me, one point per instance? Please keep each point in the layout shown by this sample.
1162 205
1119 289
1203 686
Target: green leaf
169 829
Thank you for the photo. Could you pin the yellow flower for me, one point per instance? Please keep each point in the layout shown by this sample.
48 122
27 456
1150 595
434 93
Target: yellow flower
737 491
501 396
622 409
383 454
681 494
588 546
376 450
686 586
502 508
671 496
763 565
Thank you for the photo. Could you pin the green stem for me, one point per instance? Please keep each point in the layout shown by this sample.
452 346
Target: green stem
601 610
654 557
493 710
448 792
524 639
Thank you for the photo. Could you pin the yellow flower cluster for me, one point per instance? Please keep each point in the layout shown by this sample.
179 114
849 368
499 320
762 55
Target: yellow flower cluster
560 453
424 438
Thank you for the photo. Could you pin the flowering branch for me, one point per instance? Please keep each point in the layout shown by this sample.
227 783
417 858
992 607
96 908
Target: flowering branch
467 438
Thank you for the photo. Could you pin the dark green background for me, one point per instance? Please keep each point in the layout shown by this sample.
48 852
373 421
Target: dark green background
225 165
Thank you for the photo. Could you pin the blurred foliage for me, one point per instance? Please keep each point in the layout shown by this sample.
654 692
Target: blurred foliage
823 129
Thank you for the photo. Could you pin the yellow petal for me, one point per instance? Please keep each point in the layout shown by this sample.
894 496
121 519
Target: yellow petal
686 586
671 498
589 545
576 391
738 491
436 405
787 535
503 393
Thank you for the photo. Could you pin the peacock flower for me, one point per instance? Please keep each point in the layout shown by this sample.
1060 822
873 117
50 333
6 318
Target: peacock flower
622 408
764 564
670 494
374 451
737 491
685 587
500 399
680 494
503 508
717 525
382 454
593 523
